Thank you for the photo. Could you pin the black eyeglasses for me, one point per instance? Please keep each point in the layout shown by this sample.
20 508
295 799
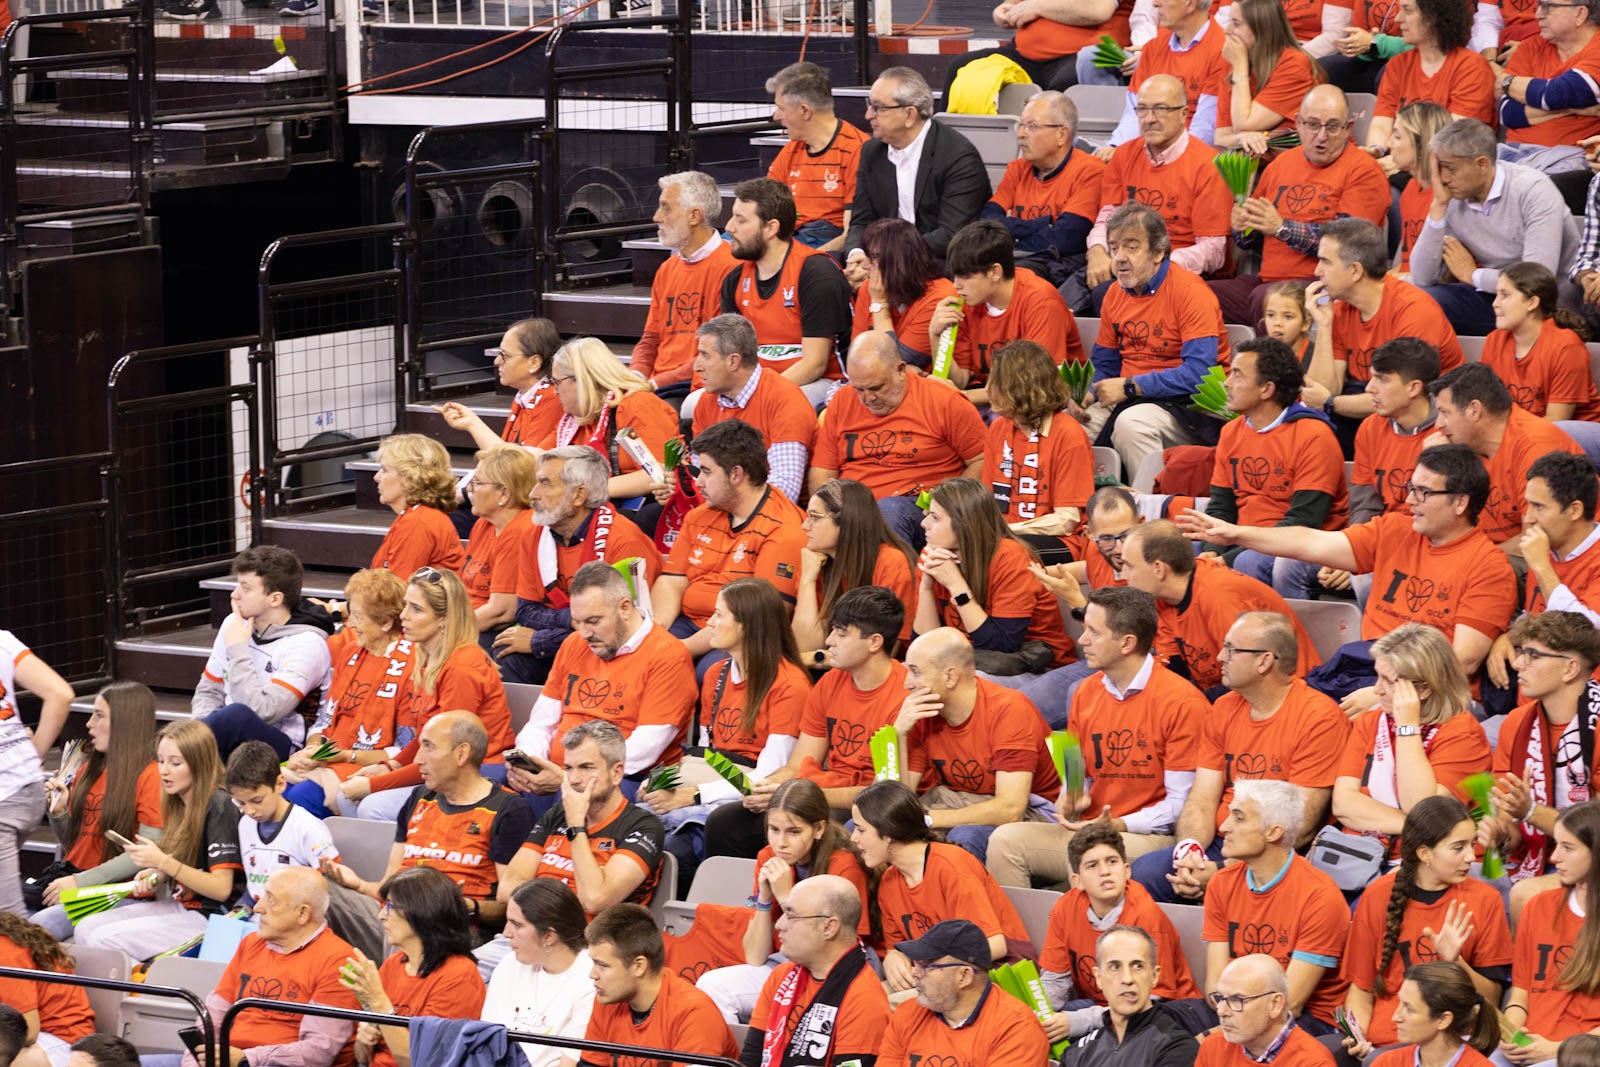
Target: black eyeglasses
474 483
1146 110
429 575
1035 127
797 918
1228 651
1234 1001
1536 653
1106 542
1424 495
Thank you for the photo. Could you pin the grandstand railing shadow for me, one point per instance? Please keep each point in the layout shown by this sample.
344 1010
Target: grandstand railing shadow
203 1017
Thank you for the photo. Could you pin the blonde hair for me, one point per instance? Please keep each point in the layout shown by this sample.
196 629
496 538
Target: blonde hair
598 371
1421 654
184 821
424 469
447 598
513 469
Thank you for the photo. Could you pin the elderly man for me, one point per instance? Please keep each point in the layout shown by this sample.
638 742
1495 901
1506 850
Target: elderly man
1551 84
1160 332
292 956
1325 178
1269 899
1188 46
736 388
1050 193
957 1015
1269 724
897 433
1171 171
796 298
687 286
1133 1029
820 161
573 521
1255 1020
1485 217
914 168
825 1005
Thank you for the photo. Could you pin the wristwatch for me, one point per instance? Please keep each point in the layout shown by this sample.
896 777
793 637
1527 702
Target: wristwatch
961 600
571 832
1505 85
876 307
1129 389
1407 731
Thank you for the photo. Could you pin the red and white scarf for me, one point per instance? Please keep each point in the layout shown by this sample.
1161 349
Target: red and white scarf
1384 777
1557 773
594 547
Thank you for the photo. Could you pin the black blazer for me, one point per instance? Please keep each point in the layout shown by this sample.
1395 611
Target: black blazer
952 187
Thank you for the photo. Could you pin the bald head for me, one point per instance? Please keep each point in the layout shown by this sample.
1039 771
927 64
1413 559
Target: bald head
942 649
301 887
449 729
1163 111
1324 123
830 895
877 373
1255 992
872 349
1162 89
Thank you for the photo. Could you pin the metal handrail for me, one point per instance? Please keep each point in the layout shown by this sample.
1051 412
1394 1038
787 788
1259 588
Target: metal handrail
95 982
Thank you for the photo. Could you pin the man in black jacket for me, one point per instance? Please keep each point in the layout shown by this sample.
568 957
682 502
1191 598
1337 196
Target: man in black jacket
915 168
1134 1031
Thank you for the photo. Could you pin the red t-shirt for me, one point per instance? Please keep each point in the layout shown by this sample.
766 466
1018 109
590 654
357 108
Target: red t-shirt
1554 371
954 885
1300 1050
910 320
64 1010
1290 81
823 183
1069 945
1467 582
1415 203
1545 935
1405 311
1188 193
683 295
1045 38
419 537
1386 458
1265 470
454 990
1527 437
1129 745
1464 85
589 687
1456 749
1300 743
1004 733
1353 184
1014 594
778 408
530 423
89 849
930 437
1538 58
682 1018
494 557
1005 1033
469 681
1199 67
1073 189
1197 624
1034 473
846 718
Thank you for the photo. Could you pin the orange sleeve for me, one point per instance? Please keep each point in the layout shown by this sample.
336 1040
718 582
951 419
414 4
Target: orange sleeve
1472 88
786 700
1570 380
1290 82
1358 745
1488 602
1460 748
1360 964
778 560
1054 956
669 679
1396 85
1011 587
19 993
1315 761
762 1011
1072 462
506 569
147 797
1213 203
912 327
652 418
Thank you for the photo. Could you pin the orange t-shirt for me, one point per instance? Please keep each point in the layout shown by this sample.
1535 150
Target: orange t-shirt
893 572
1004 1033
779 712
1014 594
1353 184
89 850
462 842
309 974
1489 944
778 408
1073 189
1197 624
1069 945
845 864
1036 313
1301 913
646 414
419 537
589 687
683 295
64 1010
954 885
1033 473
1555 371
469 682
1536 57
1457 748
1188 193
629 830
1149 329
682 1019
1386 459
1581 576
823 183
1406 1056
1415 203
711 552
1290 81
910 320
494 557
1300 743
1300 1050
1467 582
365 691
846 718
1199 67
1527 437
1266 470
1129 745
1545 936
931 436
528 424
1048 39
1406 311
1004 734
454 990
616 537
1464 85
857 1027
1379 16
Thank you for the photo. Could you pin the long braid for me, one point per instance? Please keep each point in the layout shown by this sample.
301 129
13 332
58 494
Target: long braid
1405 880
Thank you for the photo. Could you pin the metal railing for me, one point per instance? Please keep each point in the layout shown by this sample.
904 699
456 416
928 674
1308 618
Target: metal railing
202 1017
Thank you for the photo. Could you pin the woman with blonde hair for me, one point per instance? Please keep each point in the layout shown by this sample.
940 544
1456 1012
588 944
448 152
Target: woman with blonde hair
1414 126
449 671
414 481
1420 741
1269 74
600 398
371 673
498 492
1039 462
196 871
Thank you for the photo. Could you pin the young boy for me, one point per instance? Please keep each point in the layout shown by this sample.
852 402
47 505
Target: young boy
270 659
1101 897
273 833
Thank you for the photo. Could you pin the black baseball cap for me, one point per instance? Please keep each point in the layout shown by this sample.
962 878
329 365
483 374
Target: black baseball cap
953 937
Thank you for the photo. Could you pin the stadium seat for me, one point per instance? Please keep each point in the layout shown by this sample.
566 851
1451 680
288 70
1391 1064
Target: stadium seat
1594 359
666 887
1107 464
719 880
363 845
1330 623
1013 98
1088 330
102 963
1144 479
1471 347
1034 905
152 1023
520 698
1189 919
1237 333
1099 109
1361 105
994 136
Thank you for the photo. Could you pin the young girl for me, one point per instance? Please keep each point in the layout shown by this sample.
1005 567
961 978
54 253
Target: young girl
1443 1018
848 545
1537 348
57 1014
117 788
196 871
1284 317
1428 907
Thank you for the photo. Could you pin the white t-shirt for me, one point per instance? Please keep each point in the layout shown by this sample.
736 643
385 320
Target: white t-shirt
19 761
302 840
527 998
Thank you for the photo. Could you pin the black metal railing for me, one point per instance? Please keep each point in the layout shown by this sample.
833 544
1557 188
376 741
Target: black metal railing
202 1017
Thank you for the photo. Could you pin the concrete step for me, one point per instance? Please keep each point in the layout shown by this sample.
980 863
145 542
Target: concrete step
338 537
170 706
492 407
170 660
322 584
365 472
616 311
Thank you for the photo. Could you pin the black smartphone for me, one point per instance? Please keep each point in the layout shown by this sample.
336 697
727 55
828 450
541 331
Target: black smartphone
194 1039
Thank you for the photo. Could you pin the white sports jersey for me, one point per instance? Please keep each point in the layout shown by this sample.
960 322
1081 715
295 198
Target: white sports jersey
19 762
301 841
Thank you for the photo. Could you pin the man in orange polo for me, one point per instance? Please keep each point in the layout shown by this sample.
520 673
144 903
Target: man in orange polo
820 161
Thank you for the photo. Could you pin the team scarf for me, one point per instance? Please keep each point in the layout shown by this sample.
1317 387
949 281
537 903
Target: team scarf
811 1044
1556 770
1383 781
594 547
567 428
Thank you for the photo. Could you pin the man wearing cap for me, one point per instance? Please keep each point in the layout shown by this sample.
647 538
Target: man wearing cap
958 1015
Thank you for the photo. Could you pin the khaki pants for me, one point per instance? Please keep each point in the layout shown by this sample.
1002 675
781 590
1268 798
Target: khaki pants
1024 853
1139 431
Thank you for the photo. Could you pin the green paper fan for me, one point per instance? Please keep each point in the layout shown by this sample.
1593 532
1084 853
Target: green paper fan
80 902
730 771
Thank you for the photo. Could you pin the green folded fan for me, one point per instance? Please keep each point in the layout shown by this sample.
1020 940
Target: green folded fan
1211 397
730 771
1109 54
81 902
1021 980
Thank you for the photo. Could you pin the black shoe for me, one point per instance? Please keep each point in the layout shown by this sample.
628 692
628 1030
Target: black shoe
192 10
